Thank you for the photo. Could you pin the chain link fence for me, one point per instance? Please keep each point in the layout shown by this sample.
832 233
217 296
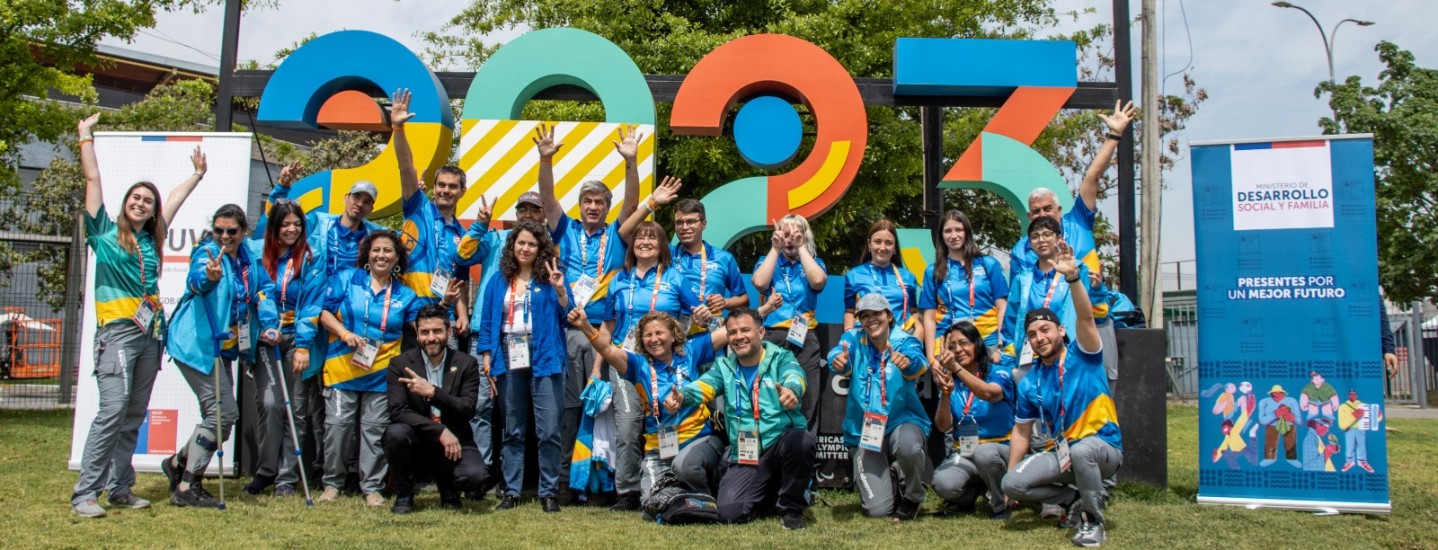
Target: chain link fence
39 342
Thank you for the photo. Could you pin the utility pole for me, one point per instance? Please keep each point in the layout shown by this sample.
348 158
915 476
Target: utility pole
1150 276
229 51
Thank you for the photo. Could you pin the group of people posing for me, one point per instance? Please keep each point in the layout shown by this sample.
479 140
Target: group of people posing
634 360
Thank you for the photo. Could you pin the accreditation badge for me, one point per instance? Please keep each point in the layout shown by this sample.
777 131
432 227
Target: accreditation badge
439 282
518 348
872 436
363 356
243 337
798 331
631 342
145 314
1062 448
584 289
749 447
668 442
968 437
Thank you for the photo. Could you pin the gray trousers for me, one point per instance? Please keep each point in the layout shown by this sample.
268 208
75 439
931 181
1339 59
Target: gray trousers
206 439
905 447
628 433
343 408
1110 353
276 458
483 422
989 463
1038 479
695 466
581 358
126 362
309 406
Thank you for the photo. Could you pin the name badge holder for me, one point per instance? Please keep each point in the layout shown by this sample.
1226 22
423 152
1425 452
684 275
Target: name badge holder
364 355
668 442
145 314
1062 449
968 436
584 289
518 349
243 337
439 282
872 436
749 447
798 331
631 343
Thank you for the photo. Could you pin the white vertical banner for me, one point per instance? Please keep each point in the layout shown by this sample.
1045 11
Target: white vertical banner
163 159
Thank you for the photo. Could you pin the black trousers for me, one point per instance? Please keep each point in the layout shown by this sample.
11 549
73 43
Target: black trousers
408 453
808 356
777 483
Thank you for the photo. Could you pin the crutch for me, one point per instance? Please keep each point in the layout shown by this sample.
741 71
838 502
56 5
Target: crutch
290 410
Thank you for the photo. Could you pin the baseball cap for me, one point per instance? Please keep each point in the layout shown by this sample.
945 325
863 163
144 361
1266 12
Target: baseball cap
1041 314
872 301
531 197
365 187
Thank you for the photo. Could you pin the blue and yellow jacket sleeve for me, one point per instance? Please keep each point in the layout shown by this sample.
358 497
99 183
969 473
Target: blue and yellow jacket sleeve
476 244
311 303
711 384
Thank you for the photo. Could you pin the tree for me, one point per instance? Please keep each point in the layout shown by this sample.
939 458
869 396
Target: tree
671 37
1402 114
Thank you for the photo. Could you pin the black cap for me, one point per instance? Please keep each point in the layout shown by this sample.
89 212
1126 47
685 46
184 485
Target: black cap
1041 314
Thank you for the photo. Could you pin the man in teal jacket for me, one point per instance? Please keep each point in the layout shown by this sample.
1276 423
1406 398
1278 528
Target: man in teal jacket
771 456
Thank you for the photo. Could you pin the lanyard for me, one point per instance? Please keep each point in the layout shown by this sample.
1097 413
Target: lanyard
584 251
285 281
1061 392
439 244
950 291
904 289
703 269
1053 284
384 316
654 386
754 393
635 279
140 257
883 384
514 298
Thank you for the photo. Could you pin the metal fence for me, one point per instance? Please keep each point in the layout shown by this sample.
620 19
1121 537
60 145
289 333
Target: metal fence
38 341
1416 382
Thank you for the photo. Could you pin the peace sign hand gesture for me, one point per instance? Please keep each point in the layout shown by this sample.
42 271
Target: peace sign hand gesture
213 269
417 384
556 277
290 173
486 212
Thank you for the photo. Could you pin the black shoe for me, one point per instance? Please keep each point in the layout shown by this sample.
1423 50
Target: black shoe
171 471
352 485
1000 515
402 505
258 485
450 499
627 502
792 521
509 502
551 505
906 510
196 497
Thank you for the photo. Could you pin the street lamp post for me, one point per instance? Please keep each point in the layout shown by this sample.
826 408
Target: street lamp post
1328 37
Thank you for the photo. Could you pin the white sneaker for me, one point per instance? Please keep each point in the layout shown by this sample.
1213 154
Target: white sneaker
1090 535
1051 511
89 508
329 495
373 499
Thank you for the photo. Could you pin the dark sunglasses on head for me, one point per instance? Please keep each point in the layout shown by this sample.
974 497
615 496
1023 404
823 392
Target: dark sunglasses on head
225 230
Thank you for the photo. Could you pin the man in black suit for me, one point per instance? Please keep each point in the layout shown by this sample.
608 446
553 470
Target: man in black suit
432 394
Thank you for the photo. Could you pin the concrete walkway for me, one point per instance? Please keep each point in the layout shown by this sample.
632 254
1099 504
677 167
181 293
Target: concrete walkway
1399 410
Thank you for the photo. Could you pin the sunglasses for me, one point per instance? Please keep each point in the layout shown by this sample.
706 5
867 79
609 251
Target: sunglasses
226 231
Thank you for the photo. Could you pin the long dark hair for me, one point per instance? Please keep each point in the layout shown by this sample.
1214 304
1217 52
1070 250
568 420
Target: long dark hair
883 225
509 267
648 228
299 253
402 259
967 253
155 226
981 350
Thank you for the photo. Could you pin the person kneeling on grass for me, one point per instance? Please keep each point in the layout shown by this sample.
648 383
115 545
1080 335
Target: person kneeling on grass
1067 393
433 391
976 408
772 456
884 423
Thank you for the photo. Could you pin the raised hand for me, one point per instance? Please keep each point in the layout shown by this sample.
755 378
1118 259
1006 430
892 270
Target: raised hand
213 269
1120 118
399 109
556 276
841 361
289 174
451 292
942 378
667 191
86 127
772 304
417 384
197 159
1065 263
544 141
486 212
628 144
576 317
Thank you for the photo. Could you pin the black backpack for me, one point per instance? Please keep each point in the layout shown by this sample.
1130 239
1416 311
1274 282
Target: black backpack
673 504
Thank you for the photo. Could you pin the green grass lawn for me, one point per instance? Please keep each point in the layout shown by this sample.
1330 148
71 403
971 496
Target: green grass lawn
35 489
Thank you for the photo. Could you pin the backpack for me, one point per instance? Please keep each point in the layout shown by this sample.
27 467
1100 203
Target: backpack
672 504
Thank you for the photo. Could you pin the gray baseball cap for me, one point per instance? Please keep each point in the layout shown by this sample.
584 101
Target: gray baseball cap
531 197
872 301
365 187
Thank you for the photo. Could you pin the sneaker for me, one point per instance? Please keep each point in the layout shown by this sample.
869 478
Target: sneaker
196 497
1073 515
1090 535
284 491
329 495
450 499
954 509
402 505
129 500
1051 511
509 502
1000 515
792 521
627 502
1364 464
373 499
89 508
905 510
551 505
171 471
258 485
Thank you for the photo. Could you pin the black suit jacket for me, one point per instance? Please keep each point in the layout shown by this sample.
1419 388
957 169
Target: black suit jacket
456 399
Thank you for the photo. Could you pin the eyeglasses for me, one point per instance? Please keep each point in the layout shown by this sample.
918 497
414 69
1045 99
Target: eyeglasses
1042 235
688 222
226 231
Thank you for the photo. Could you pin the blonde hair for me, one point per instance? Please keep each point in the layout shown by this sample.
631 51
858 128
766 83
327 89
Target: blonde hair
803 225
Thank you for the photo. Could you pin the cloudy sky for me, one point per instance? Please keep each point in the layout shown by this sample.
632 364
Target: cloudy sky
1259 63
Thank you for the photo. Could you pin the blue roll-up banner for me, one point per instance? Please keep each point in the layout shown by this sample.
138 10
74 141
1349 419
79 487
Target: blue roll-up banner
1290 364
